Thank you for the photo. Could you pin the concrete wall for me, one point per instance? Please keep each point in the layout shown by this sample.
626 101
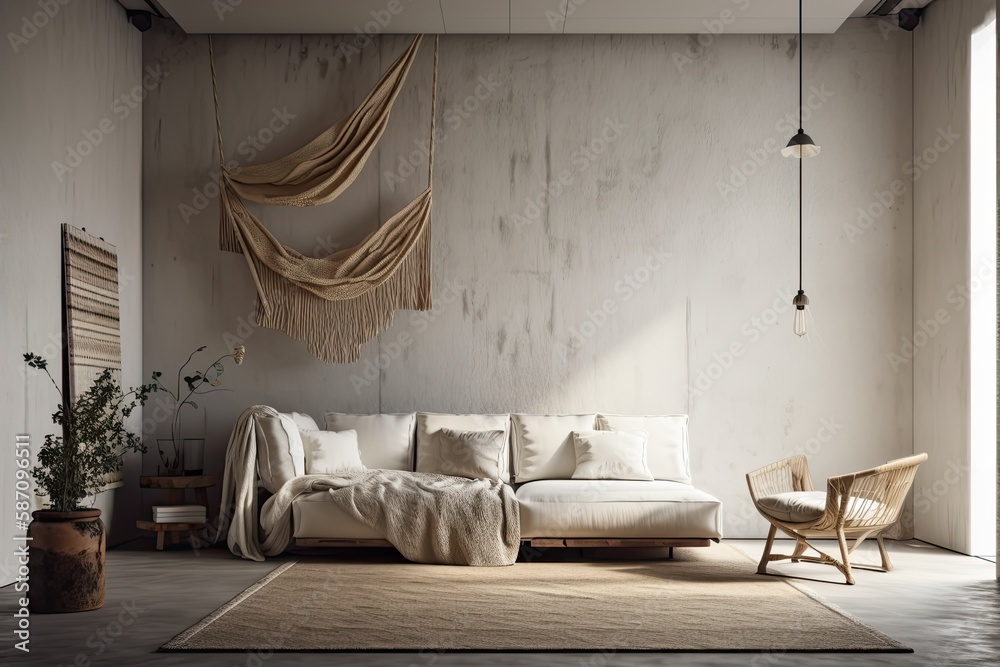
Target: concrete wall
654 279
63 75
943 269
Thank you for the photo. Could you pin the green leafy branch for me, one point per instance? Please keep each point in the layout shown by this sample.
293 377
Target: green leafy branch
199 382
74 465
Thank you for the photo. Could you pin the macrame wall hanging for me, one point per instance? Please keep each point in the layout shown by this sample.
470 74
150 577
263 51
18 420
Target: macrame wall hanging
336 303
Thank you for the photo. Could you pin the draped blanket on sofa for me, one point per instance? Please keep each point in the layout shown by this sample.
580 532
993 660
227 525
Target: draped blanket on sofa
429 518
338 302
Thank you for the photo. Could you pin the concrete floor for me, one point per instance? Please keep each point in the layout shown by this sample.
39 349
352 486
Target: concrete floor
944 605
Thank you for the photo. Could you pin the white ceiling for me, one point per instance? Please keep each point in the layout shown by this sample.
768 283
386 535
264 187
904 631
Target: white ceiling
510 16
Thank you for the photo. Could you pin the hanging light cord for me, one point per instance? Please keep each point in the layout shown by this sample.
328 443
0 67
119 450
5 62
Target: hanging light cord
801 157
800 223
800 67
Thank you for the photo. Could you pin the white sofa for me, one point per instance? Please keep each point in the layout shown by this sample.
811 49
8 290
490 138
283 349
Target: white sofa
539 463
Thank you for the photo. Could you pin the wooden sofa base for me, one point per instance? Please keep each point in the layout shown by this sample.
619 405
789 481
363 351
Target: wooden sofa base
547 542
593 542
325 542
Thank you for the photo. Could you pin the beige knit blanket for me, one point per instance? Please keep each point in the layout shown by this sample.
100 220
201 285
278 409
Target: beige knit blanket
429 518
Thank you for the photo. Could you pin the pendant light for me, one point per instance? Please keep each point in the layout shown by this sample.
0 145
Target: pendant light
800 146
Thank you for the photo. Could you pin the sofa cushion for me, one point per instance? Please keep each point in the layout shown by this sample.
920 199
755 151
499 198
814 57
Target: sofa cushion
472 454
617 509
317 515
667 452
611 455
385 441
429 444
331 452
280 455
543 445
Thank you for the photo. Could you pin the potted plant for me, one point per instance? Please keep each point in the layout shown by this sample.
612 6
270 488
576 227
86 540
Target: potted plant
179 455
67 540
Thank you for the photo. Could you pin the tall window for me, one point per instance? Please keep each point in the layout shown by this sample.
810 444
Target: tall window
983 289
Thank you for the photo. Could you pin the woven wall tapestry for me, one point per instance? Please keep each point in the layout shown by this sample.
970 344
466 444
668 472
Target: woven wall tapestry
92 321
335 303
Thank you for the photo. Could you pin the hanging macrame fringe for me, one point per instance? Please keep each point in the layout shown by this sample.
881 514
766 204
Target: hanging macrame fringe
336 303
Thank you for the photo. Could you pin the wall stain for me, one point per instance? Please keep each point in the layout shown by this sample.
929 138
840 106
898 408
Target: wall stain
551 324
324 65
504 229
695 50
793 44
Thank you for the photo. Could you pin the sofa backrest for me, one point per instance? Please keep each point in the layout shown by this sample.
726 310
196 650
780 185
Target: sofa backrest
538 446
429 446
385 441
667 447
543 445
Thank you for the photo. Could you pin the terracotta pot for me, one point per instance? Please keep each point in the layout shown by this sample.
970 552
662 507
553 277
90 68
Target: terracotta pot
66 561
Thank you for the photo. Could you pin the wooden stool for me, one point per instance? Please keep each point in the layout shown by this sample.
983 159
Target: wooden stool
176 488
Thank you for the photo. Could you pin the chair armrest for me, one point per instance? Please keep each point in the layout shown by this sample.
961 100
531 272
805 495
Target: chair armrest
791 474
872 497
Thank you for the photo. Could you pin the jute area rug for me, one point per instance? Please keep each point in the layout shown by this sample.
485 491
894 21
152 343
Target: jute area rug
706 599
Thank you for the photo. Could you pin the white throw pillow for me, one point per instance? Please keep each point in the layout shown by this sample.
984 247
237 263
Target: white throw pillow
279 451
429 444
667 449
472 454
543 445
611 455
330 452
385 441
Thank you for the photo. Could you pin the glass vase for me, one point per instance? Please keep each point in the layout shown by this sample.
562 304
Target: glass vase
171 461
193 458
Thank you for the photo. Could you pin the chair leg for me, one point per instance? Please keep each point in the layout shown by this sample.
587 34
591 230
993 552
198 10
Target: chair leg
800 548
886 563
762 568
845 565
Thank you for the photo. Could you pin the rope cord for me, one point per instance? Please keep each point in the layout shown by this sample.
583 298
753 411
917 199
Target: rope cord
215 100
434 94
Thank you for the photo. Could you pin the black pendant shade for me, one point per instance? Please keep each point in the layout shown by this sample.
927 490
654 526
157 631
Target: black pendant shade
801 146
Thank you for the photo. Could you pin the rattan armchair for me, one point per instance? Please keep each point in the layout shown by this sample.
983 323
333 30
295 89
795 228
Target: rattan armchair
857 506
